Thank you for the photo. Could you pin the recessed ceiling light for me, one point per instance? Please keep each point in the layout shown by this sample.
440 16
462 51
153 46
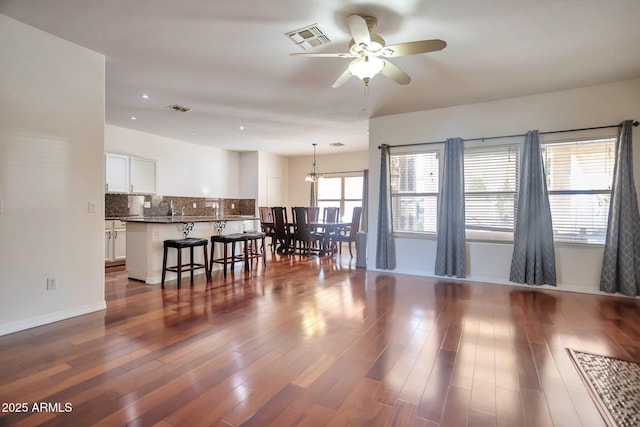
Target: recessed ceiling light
133 118
337 144
194 133
144 96
241 127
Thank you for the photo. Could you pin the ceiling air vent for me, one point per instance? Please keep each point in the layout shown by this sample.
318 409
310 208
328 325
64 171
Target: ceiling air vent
178 108
308 37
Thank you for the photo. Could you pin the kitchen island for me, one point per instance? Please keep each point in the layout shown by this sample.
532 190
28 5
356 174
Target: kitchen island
145 237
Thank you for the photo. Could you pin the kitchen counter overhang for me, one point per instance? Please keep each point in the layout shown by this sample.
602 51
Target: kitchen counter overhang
179 219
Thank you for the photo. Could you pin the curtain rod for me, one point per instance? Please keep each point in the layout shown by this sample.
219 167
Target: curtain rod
335 173
635 123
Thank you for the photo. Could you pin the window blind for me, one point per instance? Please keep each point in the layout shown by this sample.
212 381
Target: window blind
491 185
414 191
579 176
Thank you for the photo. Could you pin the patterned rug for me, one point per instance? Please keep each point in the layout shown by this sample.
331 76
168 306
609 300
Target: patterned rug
614 385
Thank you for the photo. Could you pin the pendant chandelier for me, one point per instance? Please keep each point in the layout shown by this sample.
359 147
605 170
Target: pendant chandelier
314 175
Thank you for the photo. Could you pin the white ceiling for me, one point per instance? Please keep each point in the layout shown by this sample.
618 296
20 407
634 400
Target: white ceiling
228 60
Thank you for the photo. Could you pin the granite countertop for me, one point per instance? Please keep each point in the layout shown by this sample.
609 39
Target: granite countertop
178 219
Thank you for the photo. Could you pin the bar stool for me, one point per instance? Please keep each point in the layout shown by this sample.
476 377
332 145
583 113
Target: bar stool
180 244
253 251
227 239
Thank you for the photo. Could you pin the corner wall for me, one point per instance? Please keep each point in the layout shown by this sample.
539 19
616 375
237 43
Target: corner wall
578 267
51 167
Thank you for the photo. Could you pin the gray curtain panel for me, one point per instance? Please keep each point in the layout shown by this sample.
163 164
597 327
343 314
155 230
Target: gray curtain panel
451 252
313 194
534 259
621 260
386 245
364 221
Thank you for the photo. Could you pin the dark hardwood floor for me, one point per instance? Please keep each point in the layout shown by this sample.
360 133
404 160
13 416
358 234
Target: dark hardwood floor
311 341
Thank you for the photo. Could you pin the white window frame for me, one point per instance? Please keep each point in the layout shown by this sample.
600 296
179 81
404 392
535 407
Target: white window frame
581 238
342 199
489 232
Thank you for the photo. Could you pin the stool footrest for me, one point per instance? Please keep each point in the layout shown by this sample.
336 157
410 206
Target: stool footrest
185 267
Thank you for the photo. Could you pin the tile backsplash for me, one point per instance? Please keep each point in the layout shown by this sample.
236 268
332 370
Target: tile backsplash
121 205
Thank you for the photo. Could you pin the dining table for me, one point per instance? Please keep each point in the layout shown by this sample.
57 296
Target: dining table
324 228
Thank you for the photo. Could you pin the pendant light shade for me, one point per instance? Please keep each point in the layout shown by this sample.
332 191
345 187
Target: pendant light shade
314 175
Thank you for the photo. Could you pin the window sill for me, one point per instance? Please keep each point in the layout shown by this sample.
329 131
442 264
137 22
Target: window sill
430 236
418 236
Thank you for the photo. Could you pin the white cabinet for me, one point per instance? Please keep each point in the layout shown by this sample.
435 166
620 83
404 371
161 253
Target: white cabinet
116 173
125 174
142 175
115 241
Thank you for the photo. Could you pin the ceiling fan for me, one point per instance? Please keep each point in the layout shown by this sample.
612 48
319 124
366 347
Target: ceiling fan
370 52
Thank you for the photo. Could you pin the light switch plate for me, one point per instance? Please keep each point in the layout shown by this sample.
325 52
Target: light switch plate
1 206
92 207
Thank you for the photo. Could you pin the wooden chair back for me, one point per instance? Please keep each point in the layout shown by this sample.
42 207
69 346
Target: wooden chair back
280 227
266 215
355 223
331 214
301 224
313 214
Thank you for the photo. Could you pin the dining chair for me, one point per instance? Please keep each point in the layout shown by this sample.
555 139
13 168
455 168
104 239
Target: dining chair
266 223
281 235
303 239
348 234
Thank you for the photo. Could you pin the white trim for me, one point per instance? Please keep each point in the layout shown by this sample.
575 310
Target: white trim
21 325
493 281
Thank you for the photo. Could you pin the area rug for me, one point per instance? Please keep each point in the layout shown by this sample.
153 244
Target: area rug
614 385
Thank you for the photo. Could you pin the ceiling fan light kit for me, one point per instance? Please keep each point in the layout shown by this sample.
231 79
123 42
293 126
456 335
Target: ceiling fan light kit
367 47
365 68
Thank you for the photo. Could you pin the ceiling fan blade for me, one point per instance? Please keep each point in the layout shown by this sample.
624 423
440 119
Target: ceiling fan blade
359 30
395 73
324 55
413 48
342 79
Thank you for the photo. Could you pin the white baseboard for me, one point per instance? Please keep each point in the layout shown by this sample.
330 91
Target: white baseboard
562 287
21 325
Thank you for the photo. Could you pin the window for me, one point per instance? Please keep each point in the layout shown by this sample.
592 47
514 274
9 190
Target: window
414 191
579 175
490 191
344 192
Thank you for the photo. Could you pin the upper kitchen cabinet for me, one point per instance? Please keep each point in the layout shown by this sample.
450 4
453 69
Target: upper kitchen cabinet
117 173
143 176
125 174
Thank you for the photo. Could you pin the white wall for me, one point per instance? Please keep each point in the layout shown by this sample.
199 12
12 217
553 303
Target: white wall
51 167
299 167
248 179
273 180
578 267
183 169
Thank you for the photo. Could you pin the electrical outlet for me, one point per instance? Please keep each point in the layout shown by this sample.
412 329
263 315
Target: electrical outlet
92 207
195 205
233 205
147 204
156 235
52 284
